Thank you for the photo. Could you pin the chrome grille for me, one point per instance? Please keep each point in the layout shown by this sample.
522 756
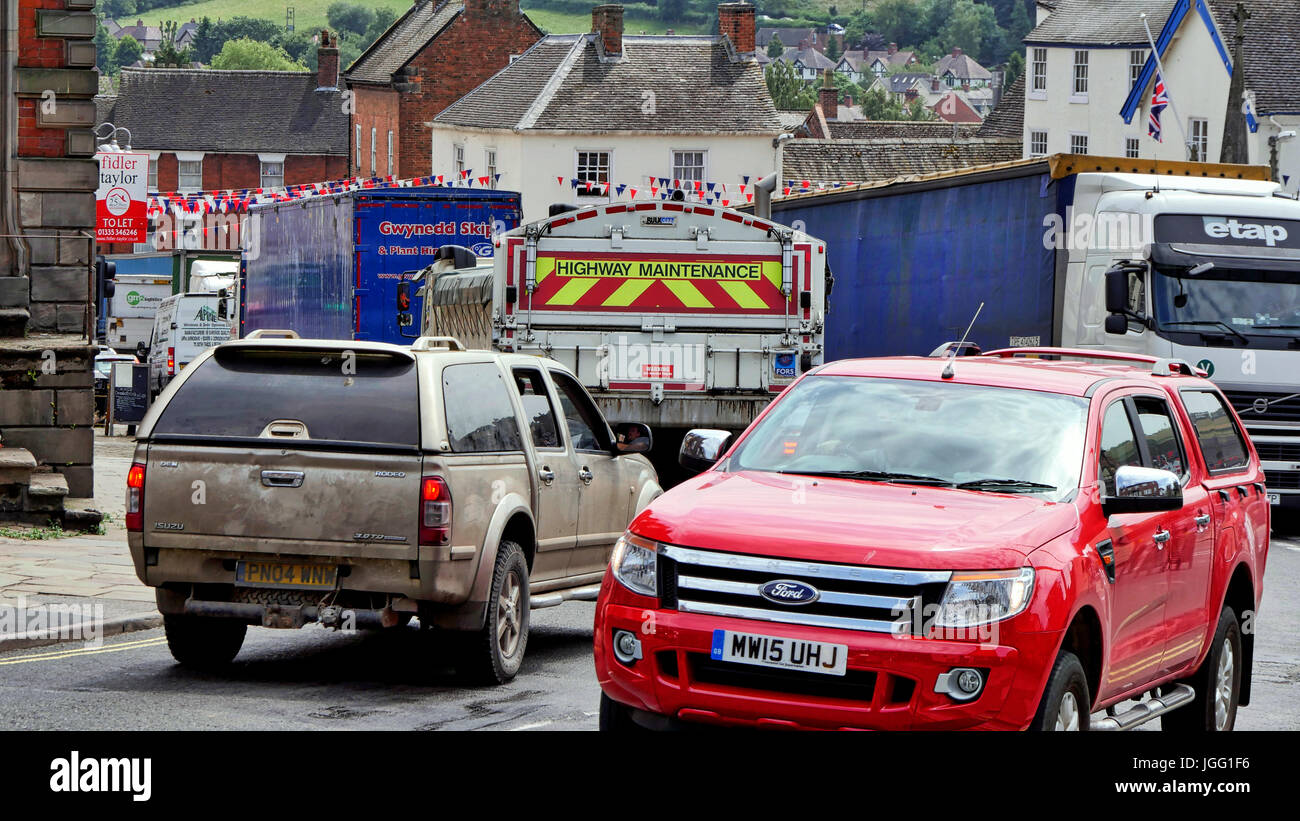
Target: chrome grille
872 599
1283 407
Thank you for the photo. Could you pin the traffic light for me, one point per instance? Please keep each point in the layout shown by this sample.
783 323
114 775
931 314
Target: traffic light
105 273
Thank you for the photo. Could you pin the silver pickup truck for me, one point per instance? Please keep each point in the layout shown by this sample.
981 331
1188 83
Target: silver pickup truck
279 481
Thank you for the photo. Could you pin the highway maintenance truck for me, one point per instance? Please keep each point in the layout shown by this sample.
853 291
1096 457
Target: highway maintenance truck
328 266
1191 261
674 314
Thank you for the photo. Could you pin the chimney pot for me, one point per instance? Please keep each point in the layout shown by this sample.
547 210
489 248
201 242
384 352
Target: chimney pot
607 23
956 52
829 96
893 48
736 22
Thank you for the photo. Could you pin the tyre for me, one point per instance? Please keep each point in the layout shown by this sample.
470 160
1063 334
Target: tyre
493 654
1217 683
1066 704
204 643
616 717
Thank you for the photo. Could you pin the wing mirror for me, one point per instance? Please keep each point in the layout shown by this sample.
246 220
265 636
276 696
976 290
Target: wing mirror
702 448
1143 490
632 437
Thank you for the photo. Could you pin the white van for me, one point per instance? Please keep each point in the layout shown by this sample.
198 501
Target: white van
185 326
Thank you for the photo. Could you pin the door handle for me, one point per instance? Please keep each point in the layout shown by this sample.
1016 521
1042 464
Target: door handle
546 474
1161 537
282 478
585 475
1202 521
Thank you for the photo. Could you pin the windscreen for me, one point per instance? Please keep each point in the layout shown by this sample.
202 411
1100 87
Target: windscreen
341 396
984 438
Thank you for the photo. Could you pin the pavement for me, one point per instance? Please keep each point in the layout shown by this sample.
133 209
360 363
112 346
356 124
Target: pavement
80 578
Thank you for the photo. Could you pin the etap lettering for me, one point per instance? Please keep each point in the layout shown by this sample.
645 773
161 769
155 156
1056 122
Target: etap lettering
1225 228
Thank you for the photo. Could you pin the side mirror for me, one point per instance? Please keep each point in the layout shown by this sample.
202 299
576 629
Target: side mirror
632 437
1116 324
702 448
1143 490
1116 291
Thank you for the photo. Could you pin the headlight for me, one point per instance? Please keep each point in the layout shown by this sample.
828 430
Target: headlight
634 564
985 597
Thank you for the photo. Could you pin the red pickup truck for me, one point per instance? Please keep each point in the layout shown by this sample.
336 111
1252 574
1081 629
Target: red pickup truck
1017 540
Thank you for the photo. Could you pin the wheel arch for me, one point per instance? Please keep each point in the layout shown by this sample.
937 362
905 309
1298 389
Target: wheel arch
1240 596
1085 639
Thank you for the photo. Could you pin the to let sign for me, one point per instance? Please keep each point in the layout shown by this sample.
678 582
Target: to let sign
120 202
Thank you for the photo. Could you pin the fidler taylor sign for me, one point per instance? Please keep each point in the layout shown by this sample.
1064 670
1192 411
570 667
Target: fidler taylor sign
120 210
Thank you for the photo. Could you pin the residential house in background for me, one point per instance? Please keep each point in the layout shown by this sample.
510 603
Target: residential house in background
149 37
859 65
207 130
958 70
792 38
602 109
1090 76
430 57
809 63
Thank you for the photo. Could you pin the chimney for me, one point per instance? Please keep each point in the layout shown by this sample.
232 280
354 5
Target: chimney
607 24
934 83
736 21
893 48
956 52
139 23
503 10
829 96
327 60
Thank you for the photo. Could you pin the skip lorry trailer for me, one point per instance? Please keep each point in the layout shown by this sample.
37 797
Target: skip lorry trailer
1191 261
328 266
674 314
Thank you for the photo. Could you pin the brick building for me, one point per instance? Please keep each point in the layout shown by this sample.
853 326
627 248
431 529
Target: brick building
430 57
47 219
210 130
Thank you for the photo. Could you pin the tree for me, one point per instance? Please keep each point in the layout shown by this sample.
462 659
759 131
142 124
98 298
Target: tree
384 17
859 26
207 41
775 48
671 10
128 51
105 50
832 48
350 17
972 27
167 54
1015 67
788 91
246 54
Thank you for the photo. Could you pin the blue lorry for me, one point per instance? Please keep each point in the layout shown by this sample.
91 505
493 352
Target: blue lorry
1195 261
328 266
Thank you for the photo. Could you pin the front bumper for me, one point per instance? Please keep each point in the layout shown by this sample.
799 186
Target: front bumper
889 685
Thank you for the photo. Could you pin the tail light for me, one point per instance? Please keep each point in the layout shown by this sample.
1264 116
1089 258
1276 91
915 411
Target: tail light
135 498
435 511
171 361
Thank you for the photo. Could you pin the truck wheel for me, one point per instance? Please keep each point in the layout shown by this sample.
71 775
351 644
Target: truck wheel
616 717
1065 704
203 643
1217 683
493 654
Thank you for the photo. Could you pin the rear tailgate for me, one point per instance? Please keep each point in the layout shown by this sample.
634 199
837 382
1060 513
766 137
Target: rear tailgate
296 451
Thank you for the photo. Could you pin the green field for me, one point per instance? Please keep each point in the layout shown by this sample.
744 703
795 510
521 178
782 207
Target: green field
310 14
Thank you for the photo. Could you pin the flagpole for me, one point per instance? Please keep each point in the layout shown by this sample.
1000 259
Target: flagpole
1155 52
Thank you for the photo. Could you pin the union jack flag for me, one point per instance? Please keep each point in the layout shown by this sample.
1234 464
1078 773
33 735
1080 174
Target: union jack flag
1159 101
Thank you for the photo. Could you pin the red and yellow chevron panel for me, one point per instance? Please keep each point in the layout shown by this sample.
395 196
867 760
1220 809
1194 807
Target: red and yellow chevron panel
658 283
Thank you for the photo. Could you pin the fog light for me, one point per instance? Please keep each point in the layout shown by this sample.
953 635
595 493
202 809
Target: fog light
627 647
960 683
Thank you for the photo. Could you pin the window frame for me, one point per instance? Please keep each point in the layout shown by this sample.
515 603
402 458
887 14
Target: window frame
490 161
506 388
262 175
180 174
551 400
1079 78
1037 72
1032 134
374 149
578 171
603 433
1137 60
1174 422
1074 135
358 136
1133 145
458 158
703 167
1200 143
390 152
1228 410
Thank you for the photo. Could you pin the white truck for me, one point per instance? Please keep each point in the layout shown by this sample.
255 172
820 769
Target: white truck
185 326
131 310
675 314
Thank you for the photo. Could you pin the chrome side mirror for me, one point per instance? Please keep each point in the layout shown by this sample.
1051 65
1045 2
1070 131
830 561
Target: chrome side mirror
1144 490
702 448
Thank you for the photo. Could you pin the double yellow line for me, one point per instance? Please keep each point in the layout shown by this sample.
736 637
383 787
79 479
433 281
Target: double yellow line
86 651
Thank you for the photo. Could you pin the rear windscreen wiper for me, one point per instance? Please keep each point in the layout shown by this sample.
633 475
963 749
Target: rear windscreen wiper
875 476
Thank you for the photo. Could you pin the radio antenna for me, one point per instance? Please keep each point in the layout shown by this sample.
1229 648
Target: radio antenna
948 372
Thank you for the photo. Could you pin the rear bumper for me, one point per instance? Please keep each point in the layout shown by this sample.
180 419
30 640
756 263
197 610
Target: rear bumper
434 578
676 679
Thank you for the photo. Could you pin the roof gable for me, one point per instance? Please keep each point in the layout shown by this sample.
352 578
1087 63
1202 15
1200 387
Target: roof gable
405 38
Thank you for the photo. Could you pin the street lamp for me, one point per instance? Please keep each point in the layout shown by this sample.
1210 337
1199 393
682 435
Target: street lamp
111 145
